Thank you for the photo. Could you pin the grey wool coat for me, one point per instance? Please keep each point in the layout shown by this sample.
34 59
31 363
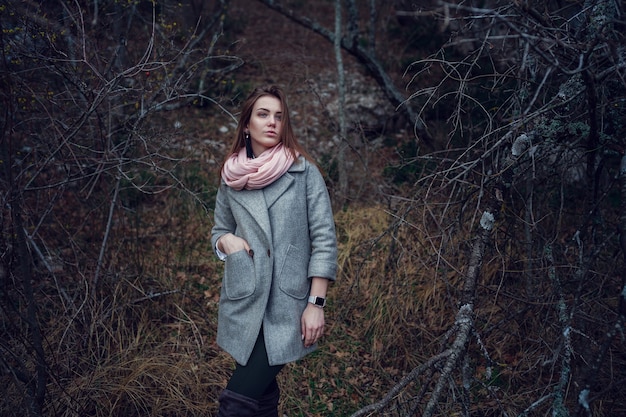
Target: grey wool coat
290 228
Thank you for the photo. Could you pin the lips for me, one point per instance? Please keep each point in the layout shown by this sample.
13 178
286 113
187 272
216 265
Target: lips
271 133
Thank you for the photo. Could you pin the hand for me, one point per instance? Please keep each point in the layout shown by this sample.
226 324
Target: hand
229 243
312 323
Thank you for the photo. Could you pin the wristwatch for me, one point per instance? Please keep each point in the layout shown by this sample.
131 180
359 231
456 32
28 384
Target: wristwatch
318 301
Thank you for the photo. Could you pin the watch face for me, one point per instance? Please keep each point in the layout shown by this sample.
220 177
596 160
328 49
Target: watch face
318 301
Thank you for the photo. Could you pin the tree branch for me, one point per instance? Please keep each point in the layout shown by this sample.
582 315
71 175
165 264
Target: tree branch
365 57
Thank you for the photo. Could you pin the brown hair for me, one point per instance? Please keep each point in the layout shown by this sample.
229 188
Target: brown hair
287 136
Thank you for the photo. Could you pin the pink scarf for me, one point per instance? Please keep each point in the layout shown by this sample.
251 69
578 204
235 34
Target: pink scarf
241 172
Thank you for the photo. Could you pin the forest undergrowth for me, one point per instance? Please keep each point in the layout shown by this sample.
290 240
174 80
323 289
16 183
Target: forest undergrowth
145 345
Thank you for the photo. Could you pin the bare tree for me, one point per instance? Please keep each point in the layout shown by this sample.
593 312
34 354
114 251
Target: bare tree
84 86
343 131
535 102
353 43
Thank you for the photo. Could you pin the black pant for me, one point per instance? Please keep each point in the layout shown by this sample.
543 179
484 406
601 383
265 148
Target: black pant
257 377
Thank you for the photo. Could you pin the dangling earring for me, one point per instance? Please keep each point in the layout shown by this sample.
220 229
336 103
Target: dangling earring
249 152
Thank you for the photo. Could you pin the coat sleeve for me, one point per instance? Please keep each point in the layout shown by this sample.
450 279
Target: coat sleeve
224 221
323 261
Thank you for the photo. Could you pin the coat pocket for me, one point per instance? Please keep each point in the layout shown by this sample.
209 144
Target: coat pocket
239 276
293 278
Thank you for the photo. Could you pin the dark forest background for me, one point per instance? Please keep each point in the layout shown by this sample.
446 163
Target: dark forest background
474 151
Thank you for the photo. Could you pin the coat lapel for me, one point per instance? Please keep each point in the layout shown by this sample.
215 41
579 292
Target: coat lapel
280 186
253 201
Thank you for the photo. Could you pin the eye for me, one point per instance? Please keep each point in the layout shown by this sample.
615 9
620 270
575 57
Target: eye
262 114
279 117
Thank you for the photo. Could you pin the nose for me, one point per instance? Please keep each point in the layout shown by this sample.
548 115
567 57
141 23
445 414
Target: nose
272 120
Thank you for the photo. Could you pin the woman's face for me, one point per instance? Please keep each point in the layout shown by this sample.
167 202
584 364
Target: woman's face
265 124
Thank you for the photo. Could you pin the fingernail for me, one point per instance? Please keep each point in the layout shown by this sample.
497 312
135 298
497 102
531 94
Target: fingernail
251 253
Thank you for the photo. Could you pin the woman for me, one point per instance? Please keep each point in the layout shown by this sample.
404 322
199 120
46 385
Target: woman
274 229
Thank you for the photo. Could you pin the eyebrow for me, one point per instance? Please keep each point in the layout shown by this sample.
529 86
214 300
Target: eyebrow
268 110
